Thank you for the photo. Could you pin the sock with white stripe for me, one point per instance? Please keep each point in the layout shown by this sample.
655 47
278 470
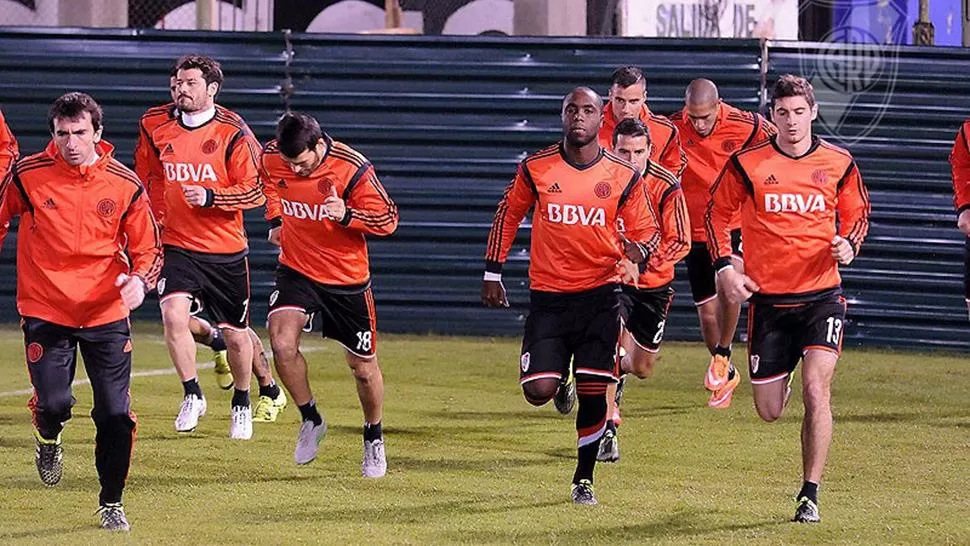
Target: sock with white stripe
590 426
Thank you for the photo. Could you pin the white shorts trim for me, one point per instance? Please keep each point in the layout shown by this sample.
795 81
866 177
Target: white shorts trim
767 380
287 308
708 300
167 297
544 375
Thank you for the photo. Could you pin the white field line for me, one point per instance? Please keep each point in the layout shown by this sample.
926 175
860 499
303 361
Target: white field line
146 373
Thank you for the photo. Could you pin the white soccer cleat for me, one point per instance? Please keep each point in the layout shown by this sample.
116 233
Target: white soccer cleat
192 409
375 464
241 423
308 442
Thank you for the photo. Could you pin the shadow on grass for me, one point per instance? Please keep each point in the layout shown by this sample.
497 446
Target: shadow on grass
468 465
397 515
44 533
683 524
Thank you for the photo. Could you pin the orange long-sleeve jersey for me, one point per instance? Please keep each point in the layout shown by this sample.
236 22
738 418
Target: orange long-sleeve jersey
329 251
8 147
664 136
147 165
789 209
960 167
734 129
670 209
575 237
220 155
76 224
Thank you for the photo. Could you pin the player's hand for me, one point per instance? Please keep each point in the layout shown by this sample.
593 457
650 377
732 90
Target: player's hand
963 222
132 290
842 250
274 235
634 252
194 195
493 294
629 272
736 287
334 206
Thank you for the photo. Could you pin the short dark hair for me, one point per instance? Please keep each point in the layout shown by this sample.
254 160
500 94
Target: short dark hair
790 85
297 133
625 76
210 68
71 106
631 128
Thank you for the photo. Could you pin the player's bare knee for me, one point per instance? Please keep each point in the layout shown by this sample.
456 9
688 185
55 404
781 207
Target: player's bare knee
540 391
284 349
237 341
642 364
816 395
364 369
174 321
770 412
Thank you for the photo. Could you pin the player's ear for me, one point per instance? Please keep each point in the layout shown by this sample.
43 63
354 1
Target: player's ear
814 111
97 134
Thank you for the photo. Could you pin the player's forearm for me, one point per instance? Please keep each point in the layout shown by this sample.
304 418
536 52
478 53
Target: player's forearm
371 222
235 198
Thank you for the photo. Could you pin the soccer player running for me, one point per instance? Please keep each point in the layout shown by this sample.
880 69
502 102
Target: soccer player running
272 399
578 258
207 163
322 199
804 212
645 303
9 151
628 100
710 131
960 167
88 250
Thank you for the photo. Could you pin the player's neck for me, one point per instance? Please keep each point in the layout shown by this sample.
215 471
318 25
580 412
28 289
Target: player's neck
796 149
199 117
582 155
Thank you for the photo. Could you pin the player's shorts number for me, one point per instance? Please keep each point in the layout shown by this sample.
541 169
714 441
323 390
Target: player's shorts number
363 341
660 332
834 333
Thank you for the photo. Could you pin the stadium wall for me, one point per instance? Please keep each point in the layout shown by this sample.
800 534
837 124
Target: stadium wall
446 119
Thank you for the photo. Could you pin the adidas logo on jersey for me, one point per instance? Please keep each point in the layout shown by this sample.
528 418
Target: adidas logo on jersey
771 180
167 151
794 202
49 204
575 214
554 188
282 183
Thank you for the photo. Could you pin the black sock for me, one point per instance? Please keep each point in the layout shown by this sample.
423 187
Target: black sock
240 398
310 413
218 341
723 351
192 387
591 415
272 390
372 432
809 490
611 426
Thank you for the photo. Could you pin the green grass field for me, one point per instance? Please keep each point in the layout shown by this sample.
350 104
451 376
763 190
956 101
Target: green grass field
470 462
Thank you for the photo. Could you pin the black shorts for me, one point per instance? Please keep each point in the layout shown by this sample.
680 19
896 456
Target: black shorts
584 327
215 283
966 270
347 313
779 335
644 314
700 269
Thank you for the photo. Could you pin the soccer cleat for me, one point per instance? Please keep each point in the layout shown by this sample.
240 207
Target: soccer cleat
721 398
192 409
113 517
583 493
609 451
241 423
565 398
807 511
268 409
375 464
223 373
717 372
49 457
308 442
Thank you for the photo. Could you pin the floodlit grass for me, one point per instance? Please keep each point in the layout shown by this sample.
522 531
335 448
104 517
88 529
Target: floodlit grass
470 462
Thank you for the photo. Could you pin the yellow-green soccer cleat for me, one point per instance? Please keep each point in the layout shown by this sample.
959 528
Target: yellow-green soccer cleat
223 373
268 409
